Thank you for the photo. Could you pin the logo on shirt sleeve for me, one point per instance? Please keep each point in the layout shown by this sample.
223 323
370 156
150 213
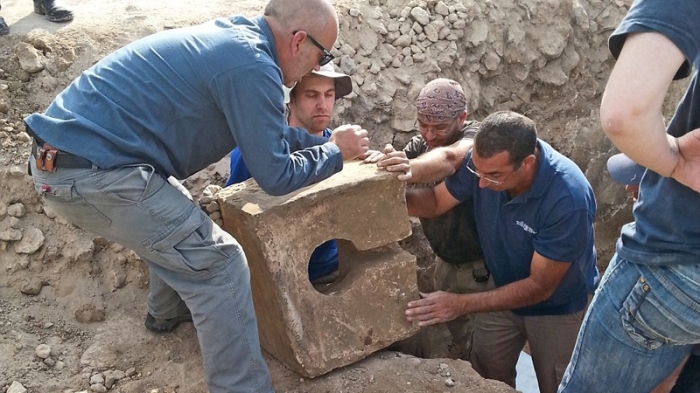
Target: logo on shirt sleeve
525 227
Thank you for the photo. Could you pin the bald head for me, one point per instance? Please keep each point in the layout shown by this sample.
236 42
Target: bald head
304 33
317 17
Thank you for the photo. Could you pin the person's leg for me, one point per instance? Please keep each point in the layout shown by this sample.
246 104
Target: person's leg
497 341
689 379
552 339
643 321
54 12
181 245
460 279
166 310
4 29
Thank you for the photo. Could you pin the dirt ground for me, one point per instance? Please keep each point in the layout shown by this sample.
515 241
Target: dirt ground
72 305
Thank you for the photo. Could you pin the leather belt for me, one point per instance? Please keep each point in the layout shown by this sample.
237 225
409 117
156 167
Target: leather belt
48 158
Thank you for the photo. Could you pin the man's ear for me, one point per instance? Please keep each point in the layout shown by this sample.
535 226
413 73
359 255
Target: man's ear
297 40
463 117
530 160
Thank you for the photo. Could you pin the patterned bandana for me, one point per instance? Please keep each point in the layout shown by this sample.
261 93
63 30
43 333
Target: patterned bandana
440 100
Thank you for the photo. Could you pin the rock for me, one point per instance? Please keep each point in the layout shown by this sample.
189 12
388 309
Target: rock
348 65
449 382
430 33
97 378
24 137
50 362
420 15
97 388
42 351
16 387
377 26
402 41
29 58
10 235
112 376
16 210
553 74
31 241
89 313
50 213
130 372
59 366
354 12
213 207
441 8
347 50
31 286
479 33
4 106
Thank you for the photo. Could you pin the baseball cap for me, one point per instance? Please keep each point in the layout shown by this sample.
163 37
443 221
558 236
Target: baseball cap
343 83
624 170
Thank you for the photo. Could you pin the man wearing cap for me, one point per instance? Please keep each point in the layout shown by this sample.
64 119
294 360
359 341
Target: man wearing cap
310 107
445 136
534 212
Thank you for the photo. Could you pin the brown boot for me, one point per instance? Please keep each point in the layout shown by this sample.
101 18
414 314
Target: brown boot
53 11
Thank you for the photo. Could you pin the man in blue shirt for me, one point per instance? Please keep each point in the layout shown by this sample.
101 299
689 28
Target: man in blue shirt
645 317
171 104
534 212
310 107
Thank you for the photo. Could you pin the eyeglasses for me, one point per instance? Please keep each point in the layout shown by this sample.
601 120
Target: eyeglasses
490 179
326 57
440 129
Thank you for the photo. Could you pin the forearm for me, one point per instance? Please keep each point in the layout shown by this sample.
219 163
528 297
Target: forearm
421 202
440 163
631 108
518 294
643 138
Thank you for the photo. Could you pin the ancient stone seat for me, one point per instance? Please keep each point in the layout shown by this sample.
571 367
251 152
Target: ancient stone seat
314 330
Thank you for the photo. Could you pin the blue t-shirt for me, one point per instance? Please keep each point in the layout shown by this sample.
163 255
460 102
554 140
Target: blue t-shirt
667 214
324 259
554 218
181 100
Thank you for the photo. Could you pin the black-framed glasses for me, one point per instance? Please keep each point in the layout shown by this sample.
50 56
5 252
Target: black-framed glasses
440 129
326 56
490 179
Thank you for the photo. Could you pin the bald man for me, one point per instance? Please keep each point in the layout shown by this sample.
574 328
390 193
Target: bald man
169 105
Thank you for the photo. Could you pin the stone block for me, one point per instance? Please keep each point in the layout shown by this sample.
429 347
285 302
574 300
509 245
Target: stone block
315 329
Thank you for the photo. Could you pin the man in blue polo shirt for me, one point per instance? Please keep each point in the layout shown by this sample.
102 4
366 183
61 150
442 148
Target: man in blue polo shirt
534 212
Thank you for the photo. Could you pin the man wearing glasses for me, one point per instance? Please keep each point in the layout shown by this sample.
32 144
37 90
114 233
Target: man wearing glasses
171 104
445 136
534 212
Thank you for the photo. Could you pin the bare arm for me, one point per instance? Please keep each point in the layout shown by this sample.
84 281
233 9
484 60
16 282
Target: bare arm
437 307
630 111
429 202
440 163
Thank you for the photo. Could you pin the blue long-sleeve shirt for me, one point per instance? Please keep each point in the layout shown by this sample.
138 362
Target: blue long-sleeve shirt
183 99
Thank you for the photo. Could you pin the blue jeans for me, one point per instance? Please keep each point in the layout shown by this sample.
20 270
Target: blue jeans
193 263
642 322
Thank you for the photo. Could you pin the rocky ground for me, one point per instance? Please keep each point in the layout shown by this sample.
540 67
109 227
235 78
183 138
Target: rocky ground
72 305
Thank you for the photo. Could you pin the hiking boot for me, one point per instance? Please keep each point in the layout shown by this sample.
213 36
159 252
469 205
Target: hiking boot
4 29
53 11
165 325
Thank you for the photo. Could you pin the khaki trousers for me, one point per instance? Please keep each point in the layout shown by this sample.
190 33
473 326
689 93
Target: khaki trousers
500 336
460 279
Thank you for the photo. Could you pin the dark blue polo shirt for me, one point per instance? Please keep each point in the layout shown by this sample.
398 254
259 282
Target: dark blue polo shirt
554 218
